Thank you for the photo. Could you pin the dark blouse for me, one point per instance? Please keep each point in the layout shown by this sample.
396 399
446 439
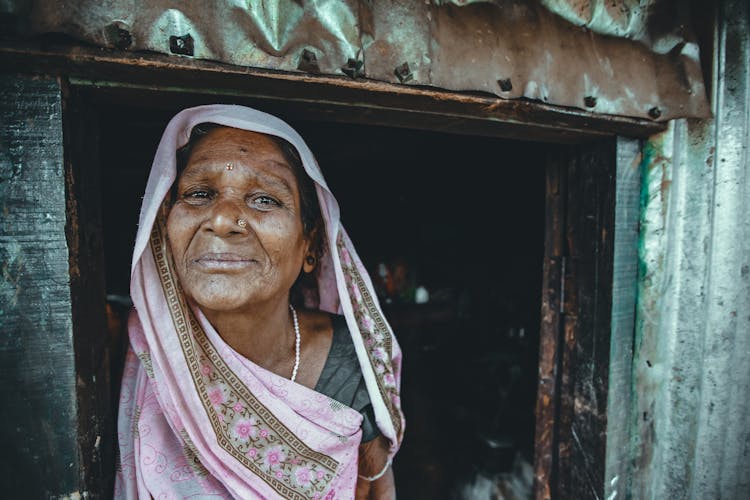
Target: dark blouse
342 379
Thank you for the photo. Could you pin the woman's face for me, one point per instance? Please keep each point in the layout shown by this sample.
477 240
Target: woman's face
234 174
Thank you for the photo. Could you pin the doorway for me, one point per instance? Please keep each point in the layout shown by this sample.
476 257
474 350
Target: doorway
452 227
481 232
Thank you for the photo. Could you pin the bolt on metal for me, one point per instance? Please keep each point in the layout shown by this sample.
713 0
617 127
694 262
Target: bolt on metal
181 45
353 67
308 62
505 84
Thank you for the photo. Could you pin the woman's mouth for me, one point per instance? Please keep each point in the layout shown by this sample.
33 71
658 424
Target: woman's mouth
223 261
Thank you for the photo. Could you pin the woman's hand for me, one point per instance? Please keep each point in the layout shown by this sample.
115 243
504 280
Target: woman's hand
373 458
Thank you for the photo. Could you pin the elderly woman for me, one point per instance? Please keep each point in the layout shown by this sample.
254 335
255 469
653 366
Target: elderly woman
260 364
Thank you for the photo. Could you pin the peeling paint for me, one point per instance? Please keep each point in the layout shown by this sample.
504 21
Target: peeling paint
10 168
11 256
76 495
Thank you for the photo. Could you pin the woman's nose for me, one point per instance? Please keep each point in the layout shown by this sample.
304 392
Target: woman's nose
228 217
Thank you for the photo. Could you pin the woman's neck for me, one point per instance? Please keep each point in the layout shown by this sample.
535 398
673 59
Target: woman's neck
264 334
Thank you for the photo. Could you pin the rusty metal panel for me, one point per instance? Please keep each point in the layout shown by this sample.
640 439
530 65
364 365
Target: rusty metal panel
624 58
692 349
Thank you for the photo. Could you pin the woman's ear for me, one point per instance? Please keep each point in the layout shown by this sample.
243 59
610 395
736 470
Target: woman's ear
309 265
311 259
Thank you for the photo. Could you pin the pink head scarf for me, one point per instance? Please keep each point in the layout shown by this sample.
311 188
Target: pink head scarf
196 418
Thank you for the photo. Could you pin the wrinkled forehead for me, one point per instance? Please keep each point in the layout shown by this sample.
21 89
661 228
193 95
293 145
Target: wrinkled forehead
205 140
210 141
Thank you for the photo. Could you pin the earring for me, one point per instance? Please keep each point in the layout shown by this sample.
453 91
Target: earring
310 260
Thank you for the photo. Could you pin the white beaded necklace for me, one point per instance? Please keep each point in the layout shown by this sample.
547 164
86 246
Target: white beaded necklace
296 342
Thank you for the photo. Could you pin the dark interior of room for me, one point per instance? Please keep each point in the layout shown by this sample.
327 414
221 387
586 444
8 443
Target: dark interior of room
458 217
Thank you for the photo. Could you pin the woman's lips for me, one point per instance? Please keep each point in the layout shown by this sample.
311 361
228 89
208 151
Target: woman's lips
223 261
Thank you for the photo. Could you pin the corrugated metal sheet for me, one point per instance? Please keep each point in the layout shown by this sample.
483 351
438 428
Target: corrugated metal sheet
692 347
622 58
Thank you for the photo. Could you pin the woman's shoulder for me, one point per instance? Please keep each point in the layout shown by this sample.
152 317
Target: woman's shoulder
342 377
341 354
341 373
342 339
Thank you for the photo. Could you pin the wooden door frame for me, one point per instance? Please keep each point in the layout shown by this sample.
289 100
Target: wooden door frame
104 75
587 318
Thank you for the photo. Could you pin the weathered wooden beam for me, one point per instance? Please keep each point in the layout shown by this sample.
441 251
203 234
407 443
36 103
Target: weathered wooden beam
95 411
545 441
38 416
587 310
624 286
571 428
320 97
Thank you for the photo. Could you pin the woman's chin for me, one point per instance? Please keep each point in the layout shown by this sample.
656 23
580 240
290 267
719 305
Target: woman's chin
221 302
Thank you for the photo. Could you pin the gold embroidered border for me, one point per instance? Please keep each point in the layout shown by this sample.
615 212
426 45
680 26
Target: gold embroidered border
146 362
190 332
136 419
191 456
382 329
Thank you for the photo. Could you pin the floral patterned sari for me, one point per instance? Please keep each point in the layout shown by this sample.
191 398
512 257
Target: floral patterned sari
196 419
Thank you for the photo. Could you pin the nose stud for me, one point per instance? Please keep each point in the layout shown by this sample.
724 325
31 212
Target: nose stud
230 166
241 222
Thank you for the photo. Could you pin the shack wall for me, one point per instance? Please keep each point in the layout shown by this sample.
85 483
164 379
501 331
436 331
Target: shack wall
691 370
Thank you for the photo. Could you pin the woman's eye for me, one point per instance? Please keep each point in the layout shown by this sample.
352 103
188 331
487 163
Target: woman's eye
197 195
265 202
